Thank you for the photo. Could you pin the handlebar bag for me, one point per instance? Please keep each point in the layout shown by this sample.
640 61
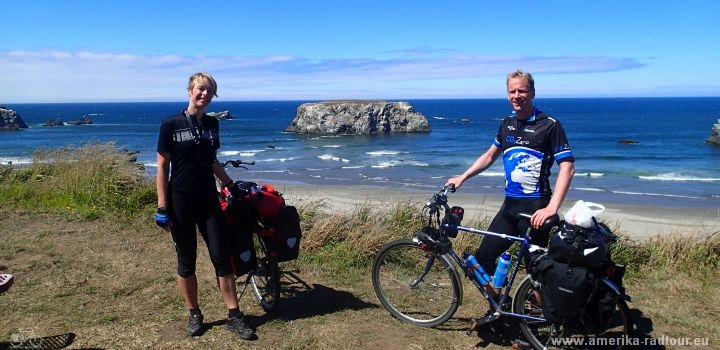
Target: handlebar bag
453 218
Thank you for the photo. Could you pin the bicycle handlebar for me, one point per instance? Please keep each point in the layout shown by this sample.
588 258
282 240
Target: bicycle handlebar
237 163
440 200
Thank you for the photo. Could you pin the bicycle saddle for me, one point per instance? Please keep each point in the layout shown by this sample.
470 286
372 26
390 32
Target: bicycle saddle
548 224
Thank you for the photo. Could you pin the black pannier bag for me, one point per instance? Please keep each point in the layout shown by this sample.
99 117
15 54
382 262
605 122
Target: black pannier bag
288 233
242 250
565 289
579 246
602 303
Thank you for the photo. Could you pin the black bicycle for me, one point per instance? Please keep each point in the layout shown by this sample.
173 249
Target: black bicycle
418 281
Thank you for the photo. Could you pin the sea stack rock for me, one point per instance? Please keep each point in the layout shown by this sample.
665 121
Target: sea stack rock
223 115
10 120
714 137
350 117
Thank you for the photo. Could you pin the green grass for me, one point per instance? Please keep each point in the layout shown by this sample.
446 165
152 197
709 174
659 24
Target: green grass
105 190
81 182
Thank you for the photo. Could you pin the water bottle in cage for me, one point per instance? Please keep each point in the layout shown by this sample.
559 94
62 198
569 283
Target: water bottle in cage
503 265
480 275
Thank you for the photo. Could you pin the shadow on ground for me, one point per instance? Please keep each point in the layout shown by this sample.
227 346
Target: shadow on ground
643 330
300 300
506 331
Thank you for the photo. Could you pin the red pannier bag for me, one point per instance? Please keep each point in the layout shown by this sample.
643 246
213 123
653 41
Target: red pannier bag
280 224
283 233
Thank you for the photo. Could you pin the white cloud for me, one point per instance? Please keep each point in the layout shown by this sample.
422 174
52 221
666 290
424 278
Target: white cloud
86 76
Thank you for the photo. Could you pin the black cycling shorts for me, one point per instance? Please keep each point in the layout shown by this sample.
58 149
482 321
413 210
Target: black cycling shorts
506 222
202 211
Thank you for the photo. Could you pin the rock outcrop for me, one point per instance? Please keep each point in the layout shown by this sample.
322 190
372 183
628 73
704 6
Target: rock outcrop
224 115
85 120
54 122
10 120
714 137
358 117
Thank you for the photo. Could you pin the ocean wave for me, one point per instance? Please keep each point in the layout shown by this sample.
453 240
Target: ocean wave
383 153
656 194
394 163
243 153
281 160
677 177
374 178
353 167
589 174
331 157
589 189
15 160
636 193
333 146
491 173
269 171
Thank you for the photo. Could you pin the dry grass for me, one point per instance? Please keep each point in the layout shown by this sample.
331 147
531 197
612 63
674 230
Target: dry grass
108 278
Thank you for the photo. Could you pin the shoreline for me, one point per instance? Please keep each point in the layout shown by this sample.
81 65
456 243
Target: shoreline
629 216
637 221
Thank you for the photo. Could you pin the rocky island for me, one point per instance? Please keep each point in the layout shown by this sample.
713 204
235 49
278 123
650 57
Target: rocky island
714 138
10 120
352 117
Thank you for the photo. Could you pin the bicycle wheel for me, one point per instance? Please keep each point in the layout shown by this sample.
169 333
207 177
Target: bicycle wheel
265 278
526 302
416 286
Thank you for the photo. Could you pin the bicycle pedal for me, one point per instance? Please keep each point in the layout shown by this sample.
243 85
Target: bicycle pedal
491 317
554 330
521 344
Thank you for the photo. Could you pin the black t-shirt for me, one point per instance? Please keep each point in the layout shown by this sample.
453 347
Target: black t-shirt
529 149
192 149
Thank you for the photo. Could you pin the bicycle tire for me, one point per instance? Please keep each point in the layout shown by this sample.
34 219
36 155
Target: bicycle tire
429 303
265 278
620 326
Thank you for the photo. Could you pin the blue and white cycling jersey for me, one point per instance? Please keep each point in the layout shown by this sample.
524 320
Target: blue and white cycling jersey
529 149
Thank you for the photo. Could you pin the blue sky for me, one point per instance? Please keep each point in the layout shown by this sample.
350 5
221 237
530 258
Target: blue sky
94 51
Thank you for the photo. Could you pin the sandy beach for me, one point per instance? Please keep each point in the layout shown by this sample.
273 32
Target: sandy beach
636 221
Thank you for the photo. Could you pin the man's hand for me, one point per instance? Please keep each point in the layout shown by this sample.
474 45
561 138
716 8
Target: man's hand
162 219
540 216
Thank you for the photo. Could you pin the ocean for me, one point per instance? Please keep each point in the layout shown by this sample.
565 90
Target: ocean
667 163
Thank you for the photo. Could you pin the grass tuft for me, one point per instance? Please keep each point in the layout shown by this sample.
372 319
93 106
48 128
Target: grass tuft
79 182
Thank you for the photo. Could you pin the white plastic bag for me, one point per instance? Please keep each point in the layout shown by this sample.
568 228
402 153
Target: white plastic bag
581 213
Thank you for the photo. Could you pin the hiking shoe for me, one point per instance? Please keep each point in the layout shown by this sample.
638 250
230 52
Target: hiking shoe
6 280
238 326
195 325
